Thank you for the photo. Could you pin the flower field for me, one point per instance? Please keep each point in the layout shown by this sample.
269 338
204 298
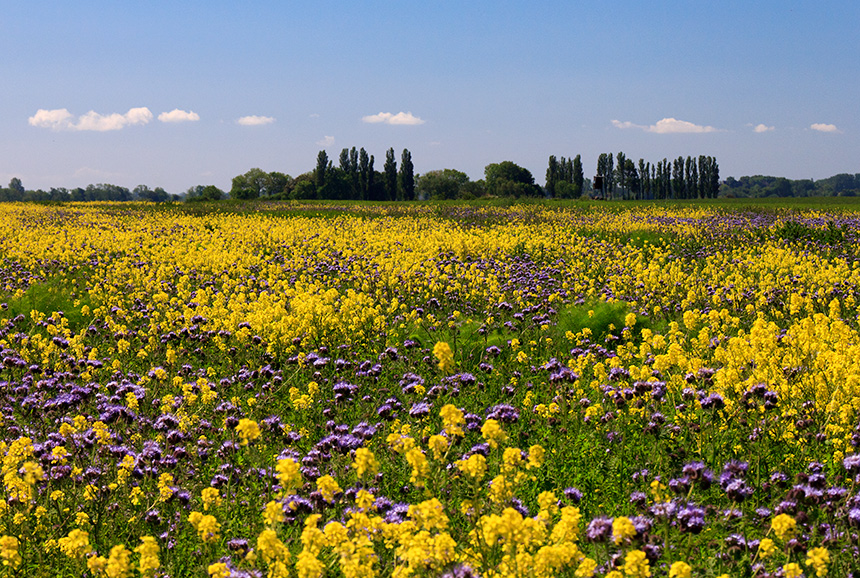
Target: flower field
429 391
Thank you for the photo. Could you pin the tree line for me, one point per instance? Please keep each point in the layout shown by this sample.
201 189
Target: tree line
16 192
682 178
356 178
758 186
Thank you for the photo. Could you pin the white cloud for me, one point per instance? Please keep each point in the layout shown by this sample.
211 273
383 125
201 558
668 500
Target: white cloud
56 119
255 120
62 119
626 124
326 141
405 118
666 126
821 127
762 128
177 115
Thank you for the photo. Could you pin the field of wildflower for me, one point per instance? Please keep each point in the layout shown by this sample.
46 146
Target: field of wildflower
457 391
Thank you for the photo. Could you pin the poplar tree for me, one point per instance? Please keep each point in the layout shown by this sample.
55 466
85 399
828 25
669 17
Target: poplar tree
407 176
363 175
552 175
323 166
577 176
390 171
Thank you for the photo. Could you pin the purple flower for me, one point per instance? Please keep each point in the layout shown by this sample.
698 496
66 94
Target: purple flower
504 413
460 571
738 490
852 463
420 409
573 494
599 529
691 519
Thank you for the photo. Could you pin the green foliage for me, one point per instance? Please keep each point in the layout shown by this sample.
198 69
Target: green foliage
62 292
440 185
797 231
508 179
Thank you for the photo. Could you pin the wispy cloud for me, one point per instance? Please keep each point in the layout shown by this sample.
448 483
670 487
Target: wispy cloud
406 118
177 115
666 126
62 119
255 120
762 128
821 127
326 141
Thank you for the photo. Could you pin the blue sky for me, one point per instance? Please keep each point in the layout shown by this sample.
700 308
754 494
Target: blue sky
176 94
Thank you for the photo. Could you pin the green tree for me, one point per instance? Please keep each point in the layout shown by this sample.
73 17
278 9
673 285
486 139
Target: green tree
322 169
578 178
390 171
407 176
621 173
16 185
354 176
508 179
304 187
644 179
678 178
254 184
441 185
364 176
552 175
278 184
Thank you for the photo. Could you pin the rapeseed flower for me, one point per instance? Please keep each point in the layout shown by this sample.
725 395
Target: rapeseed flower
248 430
818 559
680 569
783 526
365 463
9 551
445 356
636 564
76 544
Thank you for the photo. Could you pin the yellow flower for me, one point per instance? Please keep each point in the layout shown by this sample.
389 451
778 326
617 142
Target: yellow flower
475 466
792 570
586 568
164 489
636 564
210 498
680 569
271 548
443 353
206 525
218 570
119 562
420 466
439 445
766 548
289 475
536 456
818 558
148 550
365 463
76 544
274 513
493 433
9 551
248 430
622 529
452 419
783 526
327 486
